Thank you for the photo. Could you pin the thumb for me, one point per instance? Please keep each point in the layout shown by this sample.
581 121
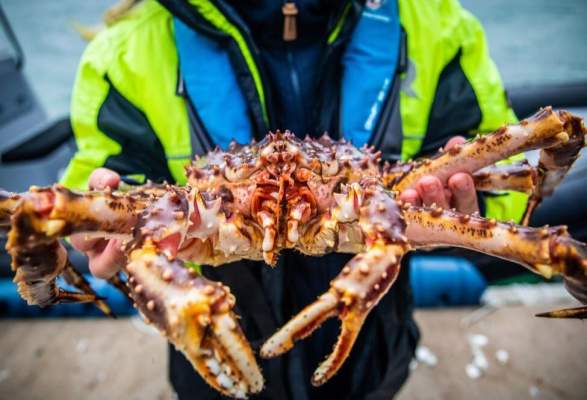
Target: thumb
102 178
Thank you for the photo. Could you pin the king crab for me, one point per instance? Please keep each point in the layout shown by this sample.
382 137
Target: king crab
315 196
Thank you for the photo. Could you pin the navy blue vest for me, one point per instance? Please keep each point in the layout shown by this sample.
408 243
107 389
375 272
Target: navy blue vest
369 64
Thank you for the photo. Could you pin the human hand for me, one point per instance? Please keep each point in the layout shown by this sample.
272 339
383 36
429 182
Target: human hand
459 193
105 256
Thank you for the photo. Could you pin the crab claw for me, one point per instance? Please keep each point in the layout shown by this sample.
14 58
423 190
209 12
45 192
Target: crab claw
195 315
362 283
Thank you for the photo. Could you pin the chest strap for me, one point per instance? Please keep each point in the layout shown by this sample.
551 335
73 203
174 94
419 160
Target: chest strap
211 85
369 66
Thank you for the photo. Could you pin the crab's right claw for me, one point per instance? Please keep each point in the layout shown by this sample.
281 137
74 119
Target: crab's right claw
196 316
328 305
359 287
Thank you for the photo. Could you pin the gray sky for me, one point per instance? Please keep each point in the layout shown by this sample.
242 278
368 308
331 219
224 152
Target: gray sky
532 41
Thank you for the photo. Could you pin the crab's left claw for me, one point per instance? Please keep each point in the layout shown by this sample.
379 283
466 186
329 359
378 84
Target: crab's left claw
362 283
196 316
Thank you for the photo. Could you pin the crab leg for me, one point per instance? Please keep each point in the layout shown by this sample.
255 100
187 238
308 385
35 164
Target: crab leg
545 129
362 282
42 215
8 204
553 165
119 284
520 177
75 278
59 211
576 312
37 261
352 295
545 251
101 214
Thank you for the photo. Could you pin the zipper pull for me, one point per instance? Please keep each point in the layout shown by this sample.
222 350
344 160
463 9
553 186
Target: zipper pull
290 31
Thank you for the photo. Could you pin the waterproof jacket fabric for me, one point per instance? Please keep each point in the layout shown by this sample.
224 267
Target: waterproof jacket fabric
448 85
131 112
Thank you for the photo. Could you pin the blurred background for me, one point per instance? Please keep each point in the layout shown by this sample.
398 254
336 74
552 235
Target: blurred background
540 48
533 42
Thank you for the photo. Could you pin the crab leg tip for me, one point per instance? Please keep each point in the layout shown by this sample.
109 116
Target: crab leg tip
300 326
102 305
577 313
234 344
351 325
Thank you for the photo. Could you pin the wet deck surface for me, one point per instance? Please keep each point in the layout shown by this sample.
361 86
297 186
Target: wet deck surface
547 358
101 359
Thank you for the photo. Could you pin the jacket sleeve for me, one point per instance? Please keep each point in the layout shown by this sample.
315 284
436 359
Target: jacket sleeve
113 109
482 74
89 93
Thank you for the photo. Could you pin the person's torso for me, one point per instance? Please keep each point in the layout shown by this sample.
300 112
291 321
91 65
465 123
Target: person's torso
405 101
389 74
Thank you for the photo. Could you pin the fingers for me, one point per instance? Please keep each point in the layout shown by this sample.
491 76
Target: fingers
102 178
461 185
460 194
411 196
431 191
463 193
81 243
460 191
106 258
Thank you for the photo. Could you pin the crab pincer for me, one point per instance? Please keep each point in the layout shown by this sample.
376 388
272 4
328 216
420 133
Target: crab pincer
195 314
352 295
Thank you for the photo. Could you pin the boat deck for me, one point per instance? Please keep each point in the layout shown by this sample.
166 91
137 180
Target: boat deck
123 359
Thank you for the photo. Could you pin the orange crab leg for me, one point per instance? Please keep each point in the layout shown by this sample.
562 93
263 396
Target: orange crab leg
352 295
38 259
362 282
545 251
545 129
520 177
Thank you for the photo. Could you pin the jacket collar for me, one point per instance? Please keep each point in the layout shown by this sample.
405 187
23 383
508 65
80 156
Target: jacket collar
263 19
